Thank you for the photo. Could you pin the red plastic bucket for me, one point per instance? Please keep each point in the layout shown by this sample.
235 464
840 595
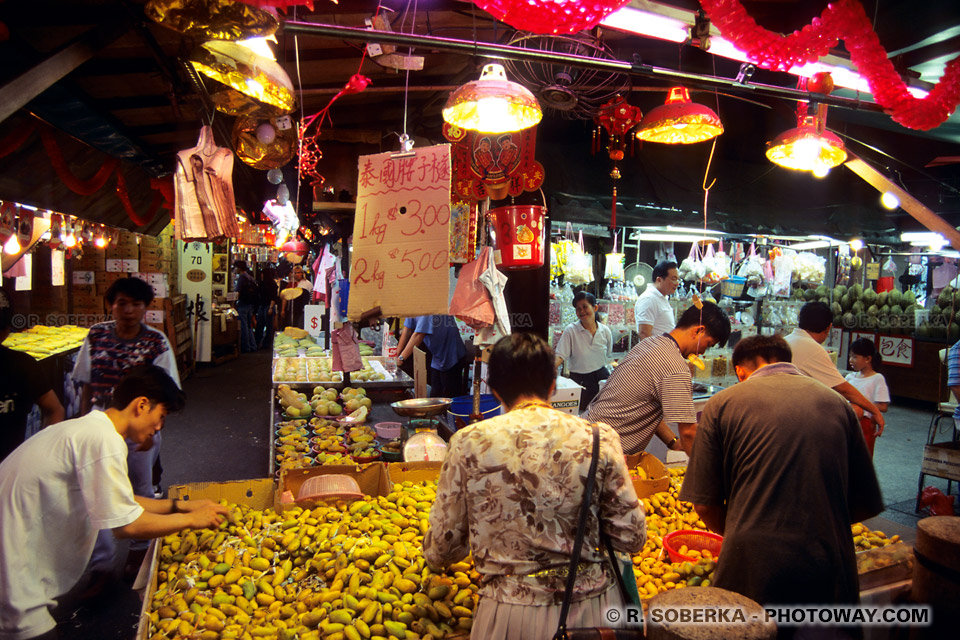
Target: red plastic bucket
520 236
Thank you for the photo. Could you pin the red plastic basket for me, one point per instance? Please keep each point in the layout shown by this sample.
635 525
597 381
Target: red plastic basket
692 539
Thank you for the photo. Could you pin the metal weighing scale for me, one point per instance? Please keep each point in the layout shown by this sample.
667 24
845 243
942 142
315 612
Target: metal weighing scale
426 444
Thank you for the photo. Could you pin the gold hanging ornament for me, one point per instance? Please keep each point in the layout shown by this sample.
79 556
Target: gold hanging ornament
251 84
265 143
216 19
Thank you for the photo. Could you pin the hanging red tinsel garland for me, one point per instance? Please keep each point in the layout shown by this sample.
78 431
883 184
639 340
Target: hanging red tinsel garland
124 196
844 19
163 188
550 16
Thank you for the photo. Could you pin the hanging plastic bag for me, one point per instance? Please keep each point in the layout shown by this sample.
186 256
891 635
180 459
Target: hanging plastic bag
579 269
471 301
810 267
614 265
722 263
710 276
783 268
751 269
692 269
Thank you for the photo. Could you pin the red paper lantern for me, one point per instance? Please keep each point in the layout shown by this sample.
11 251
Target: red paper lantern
550 16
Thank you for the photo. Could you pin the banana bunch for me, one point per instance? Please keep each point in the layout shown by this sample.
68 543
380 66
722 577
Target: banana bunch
337 572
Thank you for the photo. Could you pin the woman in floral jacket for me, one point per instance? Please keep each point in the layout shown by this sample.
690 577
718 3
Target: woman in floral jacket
510 492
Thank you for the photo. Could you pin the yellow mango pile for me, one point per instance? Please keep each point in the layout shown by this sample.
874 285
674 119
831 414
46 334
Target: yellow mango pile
665 513
336 572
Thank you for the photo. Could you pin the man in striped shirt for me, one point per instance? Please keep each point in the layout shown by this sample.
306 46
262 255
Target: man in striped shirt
651 386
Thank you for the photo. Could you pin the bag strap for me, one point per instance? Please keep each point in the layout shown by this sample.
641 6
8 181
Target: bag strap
617 569
578 541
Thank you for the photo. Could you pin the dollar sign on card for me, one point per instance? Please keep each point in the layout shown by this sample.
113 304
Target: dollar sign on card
313 323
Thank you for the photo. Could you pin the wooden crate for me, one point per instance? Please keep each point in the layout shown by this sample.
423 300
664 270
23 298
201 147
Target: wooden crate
177 328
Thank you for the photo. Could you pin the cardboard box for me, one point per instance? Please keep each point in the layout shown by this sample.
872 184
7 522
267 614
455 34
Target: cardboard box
131 252
566 398
398 472
84 277
151 264
257 494
92 262
884 565
658 478
149 253
107 277
372 479
942 460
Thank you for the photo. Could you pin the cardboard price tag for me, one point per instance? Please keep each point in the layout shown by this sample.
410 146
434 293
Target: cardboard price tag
401 247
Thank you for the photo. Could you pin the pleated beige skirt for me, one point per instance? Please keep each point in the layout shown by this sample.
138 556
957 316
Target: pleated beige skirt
500 621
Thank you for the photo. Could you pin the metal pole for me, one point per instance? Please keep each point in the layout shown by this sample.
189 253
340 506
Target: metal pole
507 52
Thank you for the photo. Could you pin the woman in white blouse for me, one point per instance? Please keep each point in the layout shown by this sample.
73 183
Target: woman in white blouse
586 346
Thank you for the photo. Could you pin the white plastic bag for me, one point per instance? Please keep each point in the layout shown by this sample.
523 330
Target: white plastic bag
783 267
614 265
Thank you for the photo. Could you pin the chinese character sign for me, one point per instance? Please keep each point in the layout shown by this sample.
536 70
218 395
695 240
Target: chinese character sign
401 248
896 350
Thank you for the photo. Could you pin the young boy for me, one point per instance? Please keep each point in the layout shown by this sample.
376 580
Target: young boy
67 482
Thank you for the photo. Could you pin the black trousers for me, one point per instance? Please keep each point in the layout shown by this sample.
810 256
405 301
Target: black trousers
590 383
447 384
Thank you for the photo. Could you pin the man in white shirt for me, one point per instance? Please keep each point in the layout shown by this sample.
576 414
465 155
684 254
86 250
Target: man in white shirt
654 315
62 485
815 322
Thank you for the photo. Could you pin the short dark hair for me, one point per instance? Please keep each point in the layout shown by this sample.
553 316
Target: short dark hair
866 348
6 311
815 317
240 265
584 295
151 382
767 348
662 270
521 364
132 288
711 317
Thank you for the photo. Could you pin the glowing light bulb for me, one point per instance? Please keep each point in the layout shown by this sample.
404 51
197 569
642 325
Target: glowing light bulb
13 246
70 241
856 244
100 242
807 151
821 171
492 112
889 200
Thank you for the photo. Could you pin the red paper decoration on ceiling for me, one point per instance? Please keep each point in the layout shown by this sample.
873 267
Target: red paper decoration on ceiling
844 19
550 16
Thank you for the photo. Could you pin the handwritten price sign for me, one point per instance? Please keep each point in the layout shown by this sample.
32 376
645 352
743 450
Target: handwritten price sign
401 234
896 350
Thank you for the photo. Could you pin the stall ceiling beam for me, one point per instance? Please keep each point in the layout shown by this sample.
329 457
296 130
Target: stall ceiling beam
908 203
637 68
30 84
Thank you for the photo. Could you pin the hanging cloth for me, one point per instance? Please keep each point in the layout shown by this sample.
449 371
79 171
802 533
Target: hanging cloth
205 207
495 282
345 349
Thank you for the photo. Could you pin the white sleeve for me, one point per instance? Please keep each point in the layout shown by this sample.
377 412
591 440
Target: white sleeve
565 347
881 393
106 489
646 310
168 361
81 370
820 367
609 345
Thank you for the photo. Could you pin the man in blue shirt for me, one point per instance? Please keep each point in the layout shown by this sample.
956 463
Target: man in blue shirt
441 336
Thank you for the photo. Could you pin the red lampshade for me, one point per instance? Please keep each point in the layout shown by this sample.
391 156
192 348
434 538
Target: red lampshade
680 121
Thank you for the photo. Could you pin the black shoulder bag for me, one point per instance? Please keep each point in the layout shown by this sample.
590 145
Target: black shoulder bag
592 633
